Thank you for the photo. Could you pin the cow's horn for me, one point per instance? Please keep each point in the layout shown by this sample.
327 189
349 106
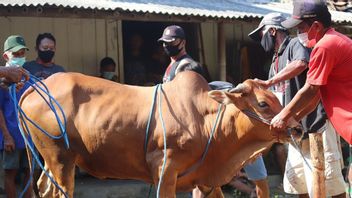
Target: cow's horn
240 88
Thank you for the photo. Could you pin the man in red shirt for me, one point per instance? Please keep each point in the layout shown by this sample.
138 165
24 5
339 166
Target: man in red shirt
329 77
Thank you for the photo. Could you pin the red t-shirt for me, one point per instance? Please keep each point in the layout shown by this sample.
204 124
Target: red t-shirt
330 67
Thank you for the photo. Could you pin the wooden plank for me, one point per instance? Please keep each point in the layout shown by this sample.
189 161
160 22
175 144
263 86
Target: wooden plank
60 32
88 51
221 51
30 25
75 45
209 32
46 24
112 39
100 42
5 23
20 26
120 69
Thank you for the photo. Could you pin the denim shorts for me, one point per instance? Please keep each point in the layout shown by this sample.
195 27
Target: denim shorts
256 170
14 160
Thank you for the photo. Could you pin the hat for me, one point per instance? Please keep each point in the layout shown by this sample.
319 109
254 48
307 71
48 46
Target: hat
171 33
304 10
273 19
14 43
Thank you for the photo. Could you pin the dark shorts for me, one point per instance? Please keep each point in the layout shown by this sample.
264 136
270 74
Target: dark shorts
14 160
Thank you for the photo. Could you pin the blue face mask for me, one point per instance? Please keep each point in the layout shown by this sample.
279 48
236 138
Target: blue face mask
108 75
17 61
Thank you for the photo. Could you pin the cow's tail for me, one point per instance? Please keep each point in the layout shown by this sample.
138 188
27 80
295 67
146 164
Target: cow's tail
26 134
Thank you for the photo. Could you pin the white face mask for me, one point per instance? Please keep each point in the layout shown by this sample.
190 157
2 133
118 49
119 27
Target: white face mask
303 38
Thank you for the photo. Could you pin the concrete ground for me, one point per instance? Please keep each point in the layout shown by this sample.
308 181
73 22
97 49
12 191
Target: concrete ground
88 187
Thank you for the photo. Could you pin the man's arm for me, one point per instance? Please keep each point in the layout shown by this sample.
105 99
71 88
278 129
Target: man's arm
308 108
9 144
13 74
291 70
300 102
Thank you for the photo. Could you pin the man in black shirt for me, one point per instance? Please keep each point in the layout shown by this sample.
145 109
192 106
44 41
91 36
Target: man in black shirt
174 44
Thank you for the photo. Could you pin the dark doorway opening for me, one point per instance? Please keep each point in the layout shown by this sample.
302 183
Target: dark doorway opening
144 58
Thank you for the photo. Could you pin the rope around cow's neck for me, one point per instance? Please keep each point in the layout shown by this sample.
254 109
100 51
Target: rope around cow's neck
196 165
20 115
266 121
158 88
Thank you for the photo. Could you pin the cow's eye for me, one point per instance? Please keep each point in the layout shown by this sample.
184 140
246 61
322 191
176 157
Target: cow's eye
263 104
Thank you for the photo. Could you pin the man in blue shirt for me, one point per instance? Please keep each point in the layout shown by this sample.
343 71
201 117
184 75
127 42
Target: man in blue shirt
14 154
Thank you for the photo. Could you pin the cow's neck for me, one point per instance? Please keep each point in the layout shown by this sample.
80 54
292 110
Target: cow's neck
231 147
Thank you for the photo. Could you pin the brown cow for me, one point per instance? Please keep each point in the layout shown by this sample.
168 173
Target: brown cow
107 122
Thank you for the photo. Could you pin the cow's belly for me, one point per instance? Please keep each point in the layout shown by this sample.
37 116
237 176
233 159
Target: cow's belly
117 155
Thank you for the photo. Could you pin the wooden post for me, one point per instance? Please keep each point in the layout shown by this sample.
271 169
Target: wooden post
222 51
318 164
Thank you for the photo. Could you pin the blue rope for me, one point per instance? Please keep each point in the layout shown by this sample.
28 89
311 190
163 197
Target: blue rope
196 165
212 131
164 129
34 81
158 88
20 115
151 112
299 149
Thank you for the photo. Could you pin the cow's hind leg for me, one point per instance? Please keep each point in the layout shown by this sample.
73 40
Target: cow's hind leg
63 174
44 185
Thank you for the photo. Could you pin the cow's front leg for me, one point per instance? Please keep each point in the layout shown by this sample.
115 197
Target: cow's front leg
168 183
208 192
168 179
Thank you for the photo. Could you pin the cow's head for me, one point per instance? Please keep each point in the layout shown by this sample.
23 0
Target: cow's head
261 103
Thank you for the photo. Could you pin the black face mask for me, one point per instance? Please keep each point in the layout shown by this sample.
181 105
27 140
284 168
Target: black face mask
46 56
172 50
268 42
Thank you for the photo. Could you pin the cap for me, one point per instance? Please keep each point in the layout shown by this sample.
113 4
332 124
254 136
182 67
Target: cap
171 33
304 10
273 18
14 43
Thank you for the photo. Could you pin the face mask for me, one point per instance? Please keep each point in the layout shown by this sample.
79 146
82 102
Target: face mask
310 37
108 75
268 42
172 50
303 38
46 56
16 61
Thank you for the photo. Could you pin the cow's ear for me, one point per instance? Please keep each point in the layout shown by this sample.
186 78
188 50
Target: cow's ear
219 96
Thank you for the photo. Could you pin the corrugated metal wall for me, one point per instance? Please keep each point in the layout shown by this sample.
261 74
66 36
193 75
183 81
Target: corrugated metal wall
80 43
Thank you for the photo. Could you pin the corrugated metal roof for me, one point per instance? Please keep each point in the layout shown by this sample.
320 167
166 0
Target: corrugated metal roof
232 9
338 17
